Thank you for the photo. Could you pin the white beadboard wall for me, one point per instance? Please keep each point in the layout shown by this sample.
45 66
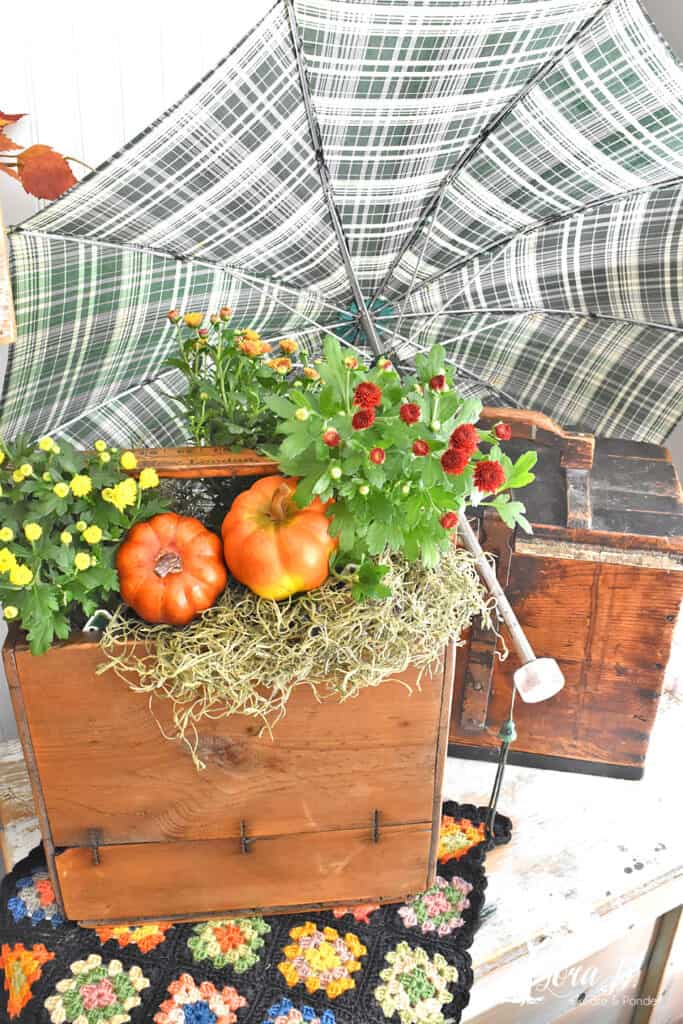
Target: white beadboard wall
90 76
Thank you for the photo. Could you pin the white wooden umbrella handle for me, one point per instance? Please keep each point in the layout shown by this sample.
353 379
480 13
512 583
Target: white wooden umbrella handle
538 678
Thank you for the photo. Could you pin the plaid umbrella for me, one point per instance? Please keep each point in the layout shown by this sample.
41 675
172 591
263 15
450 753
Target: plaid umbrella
503 176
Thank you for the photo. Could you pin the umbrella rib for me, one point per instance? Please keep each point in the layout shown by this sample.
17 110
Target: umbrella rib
326 181
539 225
534 311
460 369
430 210
248 277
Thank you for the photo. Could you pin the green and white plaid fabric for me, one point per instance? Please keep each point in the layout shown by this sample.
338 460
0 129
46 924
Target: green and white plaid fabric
508 175
91 320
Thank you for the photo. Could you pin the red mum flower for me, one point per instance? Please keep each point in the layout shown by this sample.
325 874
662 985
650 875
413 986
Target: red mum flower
438 382
488 476
420 448
503 431
364 418
464 437
454 461
367 395
331 438
409 413
449 520
377 455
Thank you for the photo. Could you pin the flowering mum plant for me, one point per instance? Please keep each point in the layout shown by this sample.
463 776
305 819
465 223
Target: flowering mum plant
230 373
399 458
62 514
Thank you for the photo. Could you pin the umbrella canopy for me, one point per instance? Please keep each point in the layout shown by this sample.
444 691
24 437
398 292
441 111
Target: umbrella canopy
502 176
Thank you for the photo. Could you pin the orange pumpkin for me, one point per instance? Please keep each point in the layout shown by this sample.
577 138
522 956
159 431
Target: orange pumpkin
272 545
170 569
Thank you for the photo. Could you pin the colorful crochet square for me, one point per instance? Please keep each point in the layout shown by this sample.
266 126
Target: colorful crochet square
457 837
361 911
233 942
322 959
199 1004
35 900
285 1012
439 908
415 985
98 993
22 967
145 936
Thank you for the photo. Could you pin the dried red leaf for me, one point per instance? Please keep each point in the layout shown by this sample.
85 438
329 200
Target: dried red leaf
7 143
9 118
44 173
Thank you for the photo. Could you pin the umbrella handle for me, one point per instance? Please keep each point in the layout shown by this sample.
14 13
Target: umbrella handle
538 678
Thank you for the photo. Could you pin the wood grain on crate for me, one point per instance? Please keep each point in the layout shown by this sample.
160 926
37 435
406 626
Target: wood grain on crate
8 326
19 831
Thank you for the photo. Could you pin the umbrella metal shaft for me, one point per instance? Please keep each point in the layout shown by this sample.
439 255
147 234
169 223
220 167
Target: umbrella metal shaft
519 639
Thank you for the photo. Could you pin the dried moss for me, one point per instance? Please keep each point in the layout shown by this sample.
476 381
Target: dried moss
246 655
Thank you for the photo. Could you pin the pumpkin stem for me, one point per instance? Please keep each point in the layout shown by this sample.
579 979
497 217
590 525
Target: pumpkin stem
279 504
168 562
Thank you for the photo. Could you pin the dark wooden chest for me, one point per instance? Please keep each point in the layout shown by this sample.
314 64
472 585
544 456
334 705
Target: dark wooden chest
598 586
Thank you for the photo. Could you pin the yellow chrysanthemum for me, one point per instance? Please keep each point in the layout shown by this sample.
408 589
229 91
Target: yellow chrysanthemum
289 346
65 537
47 477
2 458
251 335
82 561
128 460
148 478
123 495
46 444
7 560
100 446
92 535
18 476
193 319
81 485
33 531
11 612
20 576
105 457
61 489
26 469
6 534
81 526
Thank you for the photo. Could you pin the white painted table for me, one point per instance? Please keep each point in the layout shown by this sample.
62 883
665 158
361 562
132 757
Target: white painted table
593 863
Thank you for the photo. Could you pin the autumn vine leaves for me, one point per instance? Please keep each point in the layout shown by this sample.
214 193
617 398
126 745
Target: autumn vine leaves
41 171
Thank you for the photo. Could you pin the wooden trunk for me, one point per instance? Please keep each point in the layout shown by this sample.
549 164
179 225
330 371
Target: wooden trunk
598 586
341 805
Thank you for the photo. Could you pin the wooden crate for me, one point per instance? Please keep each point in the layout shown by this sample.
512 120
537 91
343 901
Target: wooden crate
598 586
342 805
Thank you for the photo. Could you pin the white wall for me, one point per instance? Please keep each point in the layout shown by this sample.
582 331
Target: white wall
92 75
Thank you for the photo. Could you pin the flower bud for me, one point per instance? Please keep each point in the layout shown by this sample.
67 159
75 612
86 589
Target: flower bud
173 315
405 489
364 489
336 472
225 312
301 415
